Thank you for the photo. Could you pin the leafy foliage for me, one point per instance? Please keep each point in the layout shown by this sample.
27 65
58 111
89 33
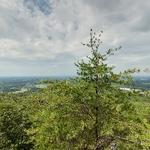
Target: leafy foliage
90 112
13 126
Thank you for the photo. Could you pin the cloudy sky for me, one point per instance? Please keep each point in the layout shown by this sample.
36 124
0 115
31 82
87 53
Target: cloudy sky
43 37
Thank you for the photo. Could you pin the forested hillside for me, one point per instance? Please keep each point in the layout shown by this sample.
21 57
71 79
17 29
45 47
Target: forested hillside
90 112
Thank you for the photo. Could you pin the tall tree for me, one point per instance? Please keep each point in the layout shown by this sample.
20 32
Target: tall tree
107 96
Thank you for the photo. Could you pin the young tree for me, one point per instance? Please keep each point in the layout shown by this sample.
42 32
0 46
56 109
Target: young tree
109 105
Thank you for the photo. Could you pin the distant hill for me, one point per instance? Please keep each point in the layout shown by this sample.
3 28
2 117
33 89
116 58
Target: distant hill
142 82
13 84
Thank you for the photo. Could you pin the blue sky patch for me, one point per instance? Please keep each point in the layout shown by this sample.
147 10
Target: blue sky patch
43 5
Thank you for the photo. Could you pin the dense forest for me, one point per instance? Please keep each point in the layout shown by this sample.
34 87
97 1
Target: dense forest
89 112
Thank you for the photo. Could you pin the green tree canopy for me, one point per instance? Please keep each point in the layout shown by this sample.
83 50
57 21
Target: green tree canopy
91 111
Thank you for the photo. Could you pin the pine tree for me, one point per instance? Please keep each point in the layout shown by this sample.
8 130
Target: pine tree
106 96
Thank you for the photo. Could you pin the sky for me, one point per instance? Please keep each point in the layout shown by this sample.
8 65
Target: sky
43 37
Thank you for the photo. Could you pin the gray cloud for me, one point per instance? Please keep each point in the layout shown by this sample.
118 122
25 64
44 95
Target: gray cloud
142 24
46 34
104 5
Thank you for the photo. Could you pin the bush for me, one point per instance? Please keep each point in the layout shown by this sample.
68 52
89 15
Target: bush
13 125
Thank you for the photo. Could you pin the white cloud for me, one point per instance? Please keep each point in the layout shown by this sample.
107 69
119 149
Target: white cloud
34 37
